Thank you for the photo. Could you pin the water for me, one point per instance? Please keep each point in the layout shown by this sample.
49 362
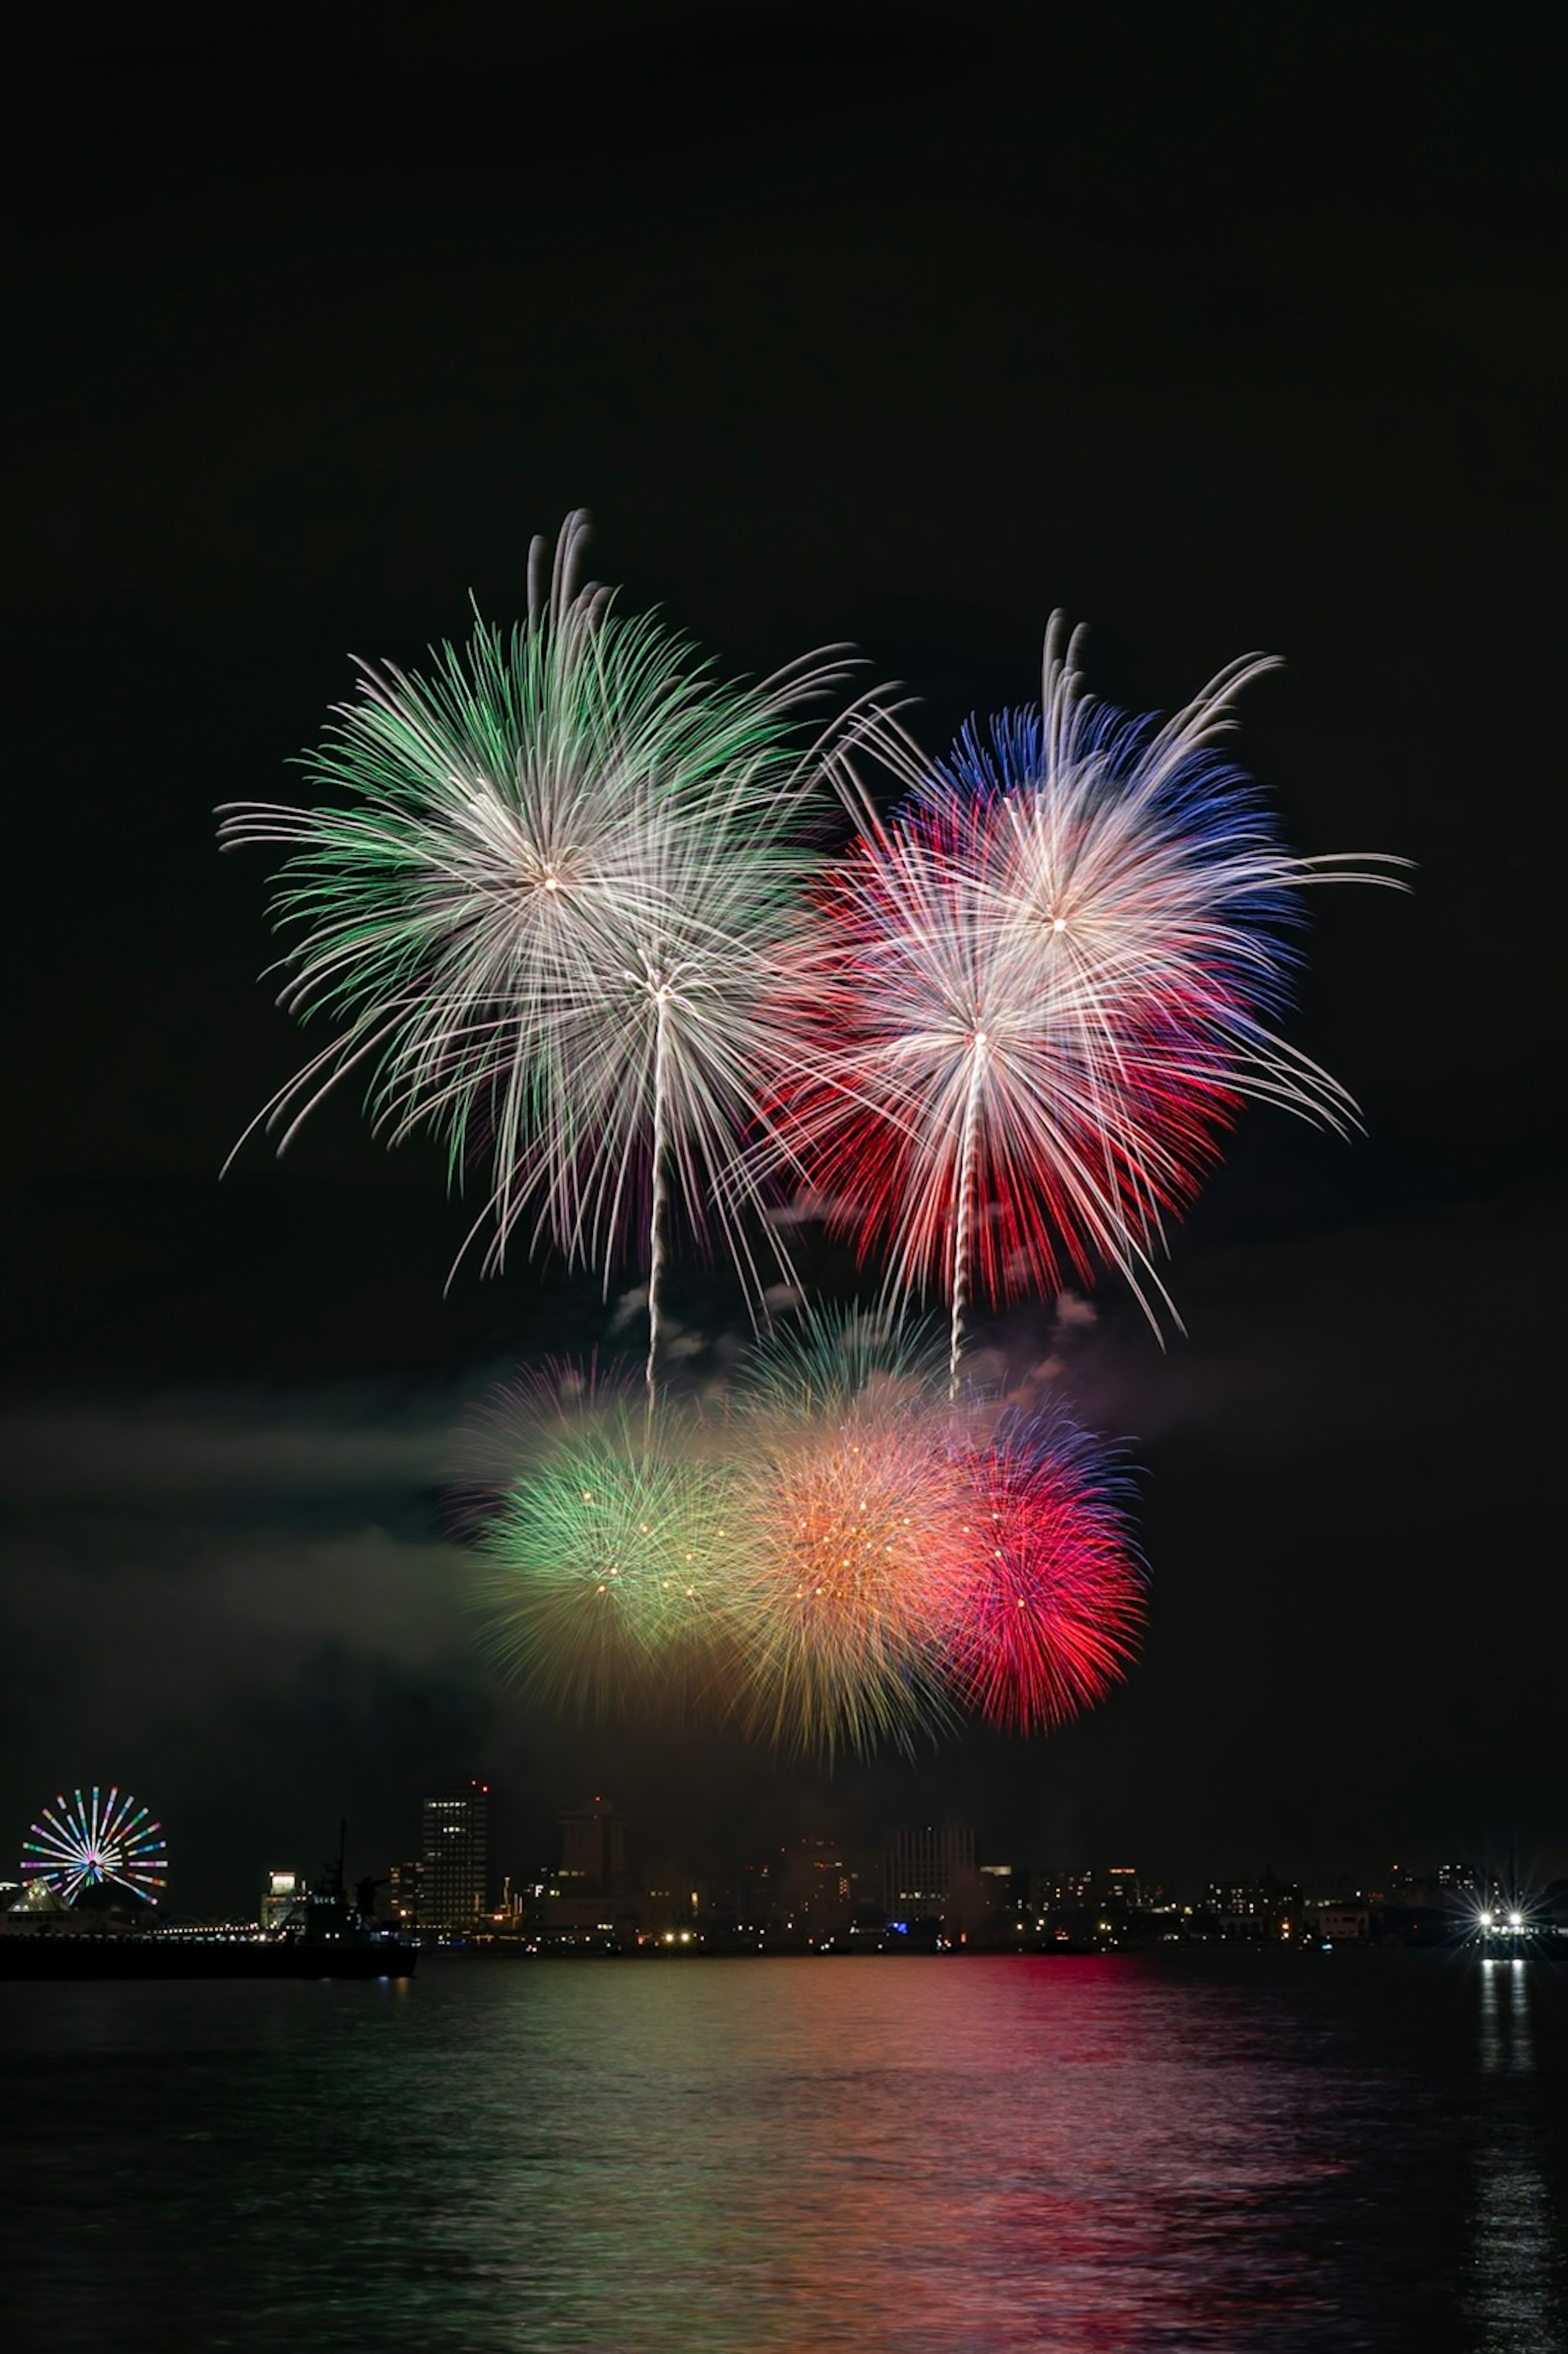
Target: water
1271 2151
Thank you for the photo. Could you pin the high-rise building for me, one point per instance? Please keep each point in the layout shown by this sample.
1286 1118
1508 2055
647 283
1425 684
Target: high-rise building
593 1850
590 1896
403 1891
929 1874
454 1881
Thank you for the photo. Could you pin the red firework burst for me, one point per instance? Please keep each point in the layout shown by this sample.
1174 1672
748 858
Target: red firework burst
1048 1613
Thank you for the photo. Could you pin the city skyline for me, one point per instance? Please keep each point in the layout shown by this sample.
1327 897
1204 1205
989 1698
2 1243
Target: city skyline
612 1881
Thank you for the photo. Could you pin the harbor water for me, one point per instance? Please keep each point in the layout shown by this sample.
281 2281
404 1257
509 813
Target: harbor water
1214 2150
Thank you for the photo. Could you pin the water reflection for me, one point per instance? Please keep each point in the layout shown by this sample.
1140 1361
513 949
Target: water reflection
1515 2261
1023 2154
1111 2156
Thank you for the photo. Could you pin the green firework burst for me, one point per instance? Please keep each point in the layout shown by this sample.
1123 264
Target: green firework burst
605 1561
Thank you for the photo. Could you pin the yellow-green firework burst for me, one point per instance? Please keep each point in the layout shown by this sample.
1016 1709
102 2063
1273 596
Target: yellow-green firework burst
603 1562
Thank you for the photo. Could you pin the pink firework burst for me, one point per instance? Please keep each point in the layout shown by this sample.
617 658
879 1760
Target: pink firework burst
1048 1612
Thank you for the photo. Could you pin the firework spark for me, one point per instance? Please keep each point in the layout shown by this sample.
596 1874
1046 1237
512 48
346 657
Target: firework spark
840 1558
545 923
855 1508
603 1560
1045 1617
1041 989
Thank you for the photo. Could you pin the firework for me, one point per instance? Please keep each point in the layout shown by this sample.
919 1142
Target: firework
603 1557
545 924
1041 989
1046 1616
855 1508
834 1362
843 1558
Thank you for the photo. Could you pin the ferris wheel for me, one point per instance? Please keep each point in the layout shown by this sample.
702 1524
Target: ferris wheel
94 1842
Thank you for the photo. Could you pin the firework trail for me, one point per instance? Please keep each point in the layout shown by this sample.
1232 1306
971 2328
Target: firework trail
545 923
603 1560
1041 989
1046 1616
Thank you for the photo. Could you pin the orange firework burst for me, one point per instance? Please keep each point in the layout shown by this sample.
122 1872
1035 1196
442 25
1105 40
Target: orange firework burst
855 1540
856 1509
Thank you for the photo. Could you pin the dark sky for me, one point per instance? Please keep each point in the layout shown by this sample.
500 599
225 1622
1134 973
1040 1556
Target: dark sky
1223 328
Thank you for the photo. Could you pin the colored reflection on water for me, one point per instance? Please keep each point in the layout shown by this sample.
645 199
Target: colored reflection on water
1227 2152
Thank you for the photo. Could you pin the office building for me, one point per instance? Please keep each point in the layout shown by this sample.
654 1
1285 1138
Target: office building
454 1879
929 1874
591 1894
403 1891
593 1850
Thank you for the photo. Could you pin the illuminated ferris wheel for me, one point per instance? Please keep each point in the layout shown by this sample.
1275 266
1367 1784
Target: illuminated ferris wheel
98 1841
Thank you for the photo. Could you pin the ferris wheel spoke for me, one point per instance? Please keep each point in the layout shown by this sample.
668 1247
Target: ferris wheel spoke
100 1840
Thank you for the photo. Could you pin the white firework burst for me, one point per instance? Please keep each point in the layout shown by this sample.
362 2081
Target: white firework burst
547 923
1042 987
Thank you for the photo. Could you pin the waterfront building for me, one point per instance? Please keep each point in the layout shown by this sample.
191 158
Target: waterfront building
454 1882
25 1906
1062 1892
403 1890
590 1897
929 1875
593 1851
672 1906
284 1890
810 1887
1343 1924
1252 1907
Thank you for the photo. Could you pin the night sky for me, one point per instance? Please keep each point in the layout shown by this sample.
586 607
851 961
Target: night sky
1223 328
